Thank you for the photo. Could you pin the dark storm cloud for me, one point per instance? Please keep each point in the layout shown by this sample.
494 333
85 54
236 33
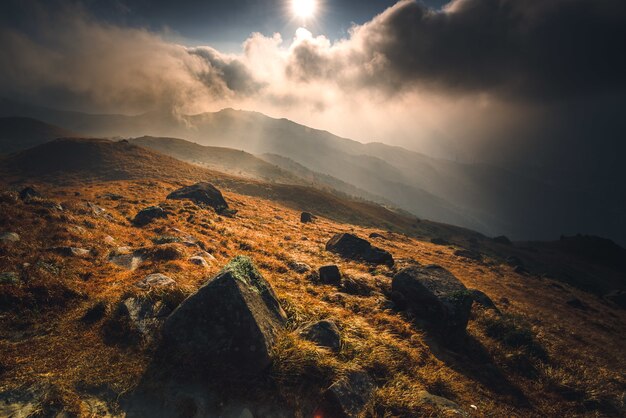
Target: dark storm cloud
231 71
544 49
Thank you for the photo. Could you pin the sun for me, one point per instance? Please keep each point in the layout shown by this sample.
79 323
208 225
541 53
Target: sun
303 9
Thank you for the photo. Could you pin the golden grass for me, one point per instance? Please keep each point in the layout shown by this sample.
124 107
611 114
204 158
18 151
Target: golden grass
45 339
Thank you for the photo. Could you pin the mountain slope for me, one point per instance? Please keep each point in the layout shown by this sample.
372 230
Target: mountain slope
490 199
18 133
68 347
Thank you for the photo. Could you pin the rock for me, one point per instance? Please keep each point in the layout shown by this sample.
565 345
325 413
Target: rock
109 240
136 319
228 326
520 270
96 210
355 286
9 277
299 267
71 251
376 235
353 247
439 241
8 238
207 256
482 299
167 252
155 280
126 259
199 261
28 193
323 333
434 294
95 313
440 403
514 261
502 240
204 194
469 254
577 304
348 397
329 274
618 297
306 217
147 215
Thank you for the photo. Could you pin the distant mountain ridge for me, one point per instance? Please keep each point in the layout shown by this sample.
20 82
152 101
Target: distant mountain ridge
17 133
481 197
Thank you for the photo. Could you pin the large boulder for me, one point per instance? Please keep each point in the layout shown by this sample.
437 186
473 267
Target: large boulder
434 294
204 194
352 247
228 327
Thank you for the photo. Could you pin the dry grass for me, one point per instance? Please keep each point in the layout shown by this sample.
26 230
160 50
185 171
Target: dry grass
577 358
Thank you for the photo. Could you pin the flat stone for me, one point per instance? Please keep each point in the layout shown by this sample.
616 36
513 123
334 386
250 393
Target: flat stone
155 280
440 403
199 261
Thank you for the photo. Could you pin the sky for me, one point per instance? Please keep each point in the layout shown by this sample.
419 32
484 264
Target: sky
533 84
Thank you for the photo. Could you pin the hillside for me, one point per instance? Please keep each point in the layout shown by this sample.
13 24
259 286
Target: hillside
226 160
17 133
82 317
493 200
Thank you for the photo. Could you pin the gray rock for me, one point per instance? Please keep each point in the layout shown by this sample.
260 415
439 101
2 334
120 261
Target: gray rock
129 261
28 193
352 247
469 254
9 238
199 261
136 319
72 251
348 397
434 294
376 235
155 280
329 274
306 217
299 267
204 194
323 333
147 215
228 327
439 241
440 403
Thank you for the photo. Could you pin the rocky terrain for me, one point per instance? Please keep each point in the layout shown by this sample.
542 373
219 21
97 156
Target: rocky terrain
133 284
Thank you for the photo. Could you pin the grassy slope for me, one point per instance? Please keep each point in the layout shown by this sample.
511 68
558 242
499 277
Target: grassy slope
43 338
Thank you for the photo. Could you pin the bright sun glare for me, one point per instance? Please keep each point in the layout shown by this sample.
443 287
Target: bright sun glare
303 8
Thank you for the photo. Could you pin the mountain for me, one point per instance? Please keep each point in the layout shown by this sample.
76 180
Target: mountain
271 168
18 133
482 197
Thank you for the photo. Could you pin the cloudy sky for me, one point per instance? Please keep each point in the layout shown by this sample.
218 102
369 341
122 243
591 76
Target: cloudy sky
502 81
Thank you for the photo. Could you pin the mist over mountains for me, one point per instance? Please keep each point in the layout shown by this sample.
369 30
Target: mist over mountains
493 200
